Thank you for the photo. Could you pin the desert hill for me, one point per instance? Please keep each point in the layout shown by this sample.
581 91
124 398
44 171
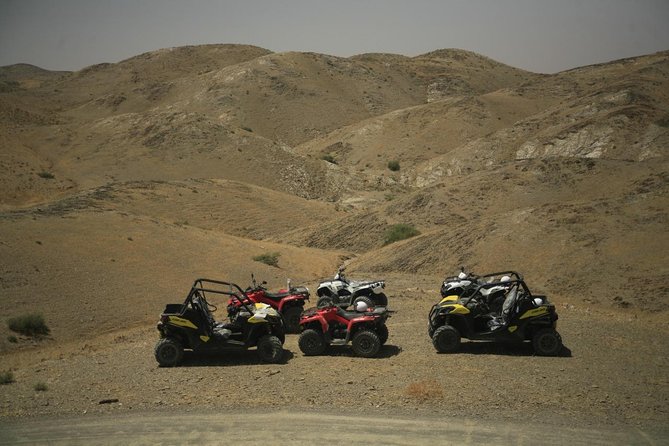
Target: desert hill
487 155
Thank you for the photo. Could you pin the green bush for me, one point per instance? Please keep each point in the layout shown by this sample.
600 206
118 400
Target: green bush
269 258
41 387
394 165
399 232
6 377
13 339
29 325
47 175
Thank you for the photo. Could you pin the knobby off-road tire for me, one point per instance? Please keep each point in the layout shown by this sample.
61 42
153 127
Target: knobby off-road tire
382 333
270 349
169 352
324 301
365 299
381 300
366 343
291 317
311 342
547 342
446 339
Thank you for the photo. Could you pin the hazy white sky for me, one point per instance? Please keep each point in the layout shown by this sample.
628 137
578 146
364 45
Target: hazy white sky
537 35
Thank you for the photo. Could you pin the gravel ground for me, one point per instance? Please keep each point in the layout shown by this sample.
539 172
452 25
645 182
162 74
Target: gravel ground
610 373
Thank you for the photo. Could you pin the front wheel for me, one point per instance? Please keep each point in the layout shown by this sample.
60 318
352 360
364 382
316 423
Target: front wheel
270 349
168 352
311 342
291 317
366 300
446 339
547 342
366 343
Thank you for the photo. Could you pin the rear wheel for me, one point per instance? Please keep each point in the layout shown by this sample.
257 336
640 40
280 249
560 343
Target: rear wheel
311 342
270 349
381 300
168 352
366 343
446 339
291 317
547 342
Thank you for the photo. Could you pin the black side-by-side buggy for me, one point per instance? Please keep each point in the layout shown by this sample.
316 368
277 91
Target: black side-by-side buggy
191 326
522 317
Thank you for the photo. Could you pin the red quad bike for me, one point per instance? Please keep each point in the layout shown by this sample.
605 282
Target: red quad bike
365 328
288 302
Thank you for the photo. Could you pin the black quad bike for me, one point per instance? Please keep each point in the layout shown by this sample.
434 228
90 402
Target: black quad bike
191 326
333 325
523 317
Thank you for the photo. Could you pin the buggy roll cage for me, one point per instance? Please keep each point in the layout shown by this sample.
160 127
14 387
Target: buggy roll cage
519 282
199 289
513 274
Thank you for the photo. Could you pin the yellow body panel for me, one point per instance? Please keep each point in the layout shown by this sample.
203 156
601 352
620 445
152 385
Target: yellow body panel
459 309
181 322
448 299
534 312
204 338
513 328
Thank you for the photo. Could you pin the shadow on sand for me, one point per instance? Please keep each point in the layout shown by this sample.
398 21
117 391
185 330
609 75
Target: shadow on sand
504 349
248 357
387 351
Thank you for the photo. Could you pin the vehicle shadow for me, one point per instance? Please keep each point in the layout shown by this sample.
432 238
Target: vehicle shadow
504 349
248 357
387 351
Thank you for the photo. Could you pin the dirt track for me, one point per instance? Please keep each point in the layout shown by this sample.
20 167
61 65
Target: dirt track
301 428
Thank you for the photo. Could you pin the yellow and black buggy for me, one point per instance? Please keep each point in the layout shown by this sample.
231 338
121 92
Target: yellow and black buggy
523 317
191 326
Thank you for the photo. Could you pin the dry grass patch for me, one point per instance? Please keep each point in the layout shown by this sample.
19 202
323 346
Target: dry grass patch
425 390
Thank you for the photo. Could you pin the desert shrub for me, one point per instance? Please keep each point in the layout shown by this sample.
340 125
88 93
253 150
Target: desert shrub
399 232
248 129
6 377
29 325
269 258
329 158
425 390
664 122
41 387
394 165
47 175
13 339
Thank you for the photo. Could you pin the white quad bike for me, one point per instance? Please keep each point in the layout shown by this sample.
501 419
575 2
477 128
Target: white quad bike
342 292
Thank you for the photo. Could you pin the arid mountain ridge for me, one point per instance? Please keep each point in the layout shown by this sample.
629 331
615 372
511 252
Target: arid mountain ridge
188 161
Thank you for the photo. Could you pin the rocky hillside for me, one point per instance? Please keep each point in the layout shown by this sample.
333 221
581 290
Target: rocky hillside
563 177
